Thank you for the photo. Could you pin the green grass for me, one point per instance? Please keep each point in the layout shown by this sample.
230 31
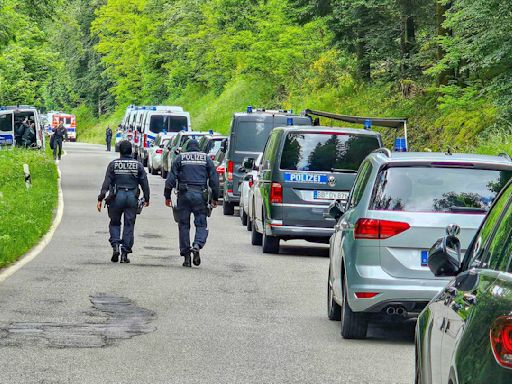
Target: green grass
436 122
25 215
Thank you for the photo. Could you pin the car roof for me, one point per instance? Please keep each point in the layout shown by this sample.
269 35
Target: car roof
322 129
425 157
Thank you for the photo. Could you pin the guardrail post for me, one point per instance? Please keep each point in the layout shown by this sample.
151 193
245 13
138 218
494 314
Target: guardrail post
28 178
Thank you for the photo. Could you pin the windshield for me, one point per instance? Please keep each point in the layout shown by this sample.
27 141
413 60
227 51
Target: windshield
251 136
167 123
213 146
326 152
425 189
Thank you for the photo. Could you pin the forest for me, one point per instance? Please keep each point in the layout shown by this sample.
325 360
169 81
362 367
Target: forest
444 64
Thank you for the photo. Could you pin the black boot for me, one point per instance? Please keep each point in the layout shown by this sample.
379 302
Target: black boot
187 262
124 258
197 258
115 255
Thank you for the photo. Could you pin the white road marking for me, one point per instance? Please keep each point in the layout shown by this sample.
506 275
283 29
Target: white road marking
34 252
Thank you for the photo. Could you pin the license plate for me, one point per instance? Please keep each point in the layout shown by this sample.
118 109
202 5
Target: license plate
424 258
330 195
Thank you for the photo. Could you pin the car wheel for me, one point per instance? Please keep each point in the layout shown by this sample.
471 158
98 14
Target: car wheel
256 237
228 209
354 325
333 308
154 171
249 224
164 174
243 216
144 161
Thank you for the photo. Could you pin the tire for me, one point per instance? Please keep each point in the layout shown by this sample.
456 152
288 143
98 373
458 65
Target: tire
228 209
333 308
243 216
249 224
417 378
164 174
256 237
145 162
270 244
354 325
154 171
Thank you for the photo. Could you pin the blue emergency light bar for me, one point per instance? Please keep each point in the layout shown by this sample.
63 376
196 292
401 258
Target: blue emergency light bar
249 109
400 144
289 121
368 124
210 131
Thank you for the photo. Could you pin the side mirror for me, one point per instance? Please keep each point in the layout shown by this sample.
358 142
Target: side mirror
336 210
177 151
224 146
444 258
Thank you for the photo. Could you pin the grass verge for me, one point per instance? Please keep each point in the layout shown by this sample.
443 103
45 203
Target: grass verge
25 215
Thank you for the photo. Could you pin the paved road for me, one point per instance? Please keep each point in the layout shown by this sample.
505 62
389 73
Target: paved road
70 316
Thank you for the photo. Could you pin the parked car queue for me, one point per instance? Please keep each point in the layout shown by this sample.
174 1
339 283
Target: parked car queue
384 215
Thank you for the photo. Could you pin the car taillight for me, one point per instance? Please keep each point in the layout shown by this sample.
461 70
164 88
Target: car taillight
251 183
221 169
378 229
159 151
212 157
501 340
145 141
276 193
366 295
231 168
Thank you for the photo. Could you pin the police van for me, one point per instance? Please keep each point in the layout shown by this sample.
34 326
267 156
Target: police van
11 118
248 135
302 171
156 120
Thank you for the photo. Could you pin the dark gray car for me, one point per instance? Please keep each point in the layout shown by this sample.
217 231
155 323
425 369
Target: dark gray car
303 170
248 135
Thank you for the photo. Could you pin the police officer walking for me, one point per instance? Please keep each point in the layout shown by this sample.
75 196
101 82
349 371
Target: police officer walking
108 137
192 174
60 134
122 181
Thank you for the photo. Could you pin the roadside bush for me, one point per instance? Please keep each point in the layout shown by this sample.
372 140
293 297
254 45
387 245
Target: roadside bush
25 215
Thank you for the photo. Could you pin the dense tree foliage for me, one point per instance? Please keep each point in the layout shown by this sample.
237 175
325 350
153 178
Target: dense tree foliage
454 56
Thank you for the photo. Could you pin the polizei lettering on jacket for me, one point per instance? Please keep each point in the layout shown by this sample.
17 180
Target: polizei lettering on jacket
126 167
195 158
313 178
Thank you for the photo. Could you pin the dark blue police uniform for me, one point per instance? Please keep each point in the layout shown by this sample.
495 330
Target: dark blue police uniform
125 175
192 174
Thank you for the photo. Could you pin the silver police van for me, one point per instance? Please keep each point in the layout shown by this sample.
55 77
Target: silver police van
12 118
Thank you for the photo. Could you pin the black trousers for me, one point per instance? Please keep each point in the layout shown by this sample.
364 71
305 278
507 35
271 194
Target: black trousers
109 144
124 208
57 146
192 202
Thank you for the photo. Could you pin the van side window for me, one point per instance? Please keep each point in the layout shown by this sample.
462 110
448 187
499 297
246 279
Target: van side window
269 151
360 184
485 245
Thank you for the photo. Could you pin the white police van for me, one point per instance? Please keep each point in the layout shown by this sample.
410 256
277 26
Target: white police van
11 118
160 119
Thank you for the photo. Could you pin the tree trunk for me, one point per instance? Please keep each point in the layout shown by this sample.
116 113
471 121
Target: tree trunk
363 62
441 10
408 38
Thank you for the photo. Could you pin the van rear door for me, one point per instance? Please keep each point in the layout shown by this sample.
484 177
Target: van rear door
6 129
316 168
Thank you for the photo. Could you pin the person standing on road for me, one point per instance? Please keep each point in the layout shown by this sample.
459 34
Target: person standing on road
122 181
108 137
60 134
192 174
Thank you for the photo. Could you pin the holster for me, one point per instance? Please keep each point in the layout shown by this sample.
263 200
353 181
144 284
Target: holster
111 197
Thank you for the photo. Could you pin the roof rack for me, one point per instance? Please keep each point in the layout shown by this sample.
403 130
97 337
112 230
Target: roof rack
384 151
11 107
505 155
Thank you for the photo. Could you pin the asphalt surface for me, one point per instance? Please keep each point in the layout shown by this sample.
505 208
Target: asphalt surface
71 316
